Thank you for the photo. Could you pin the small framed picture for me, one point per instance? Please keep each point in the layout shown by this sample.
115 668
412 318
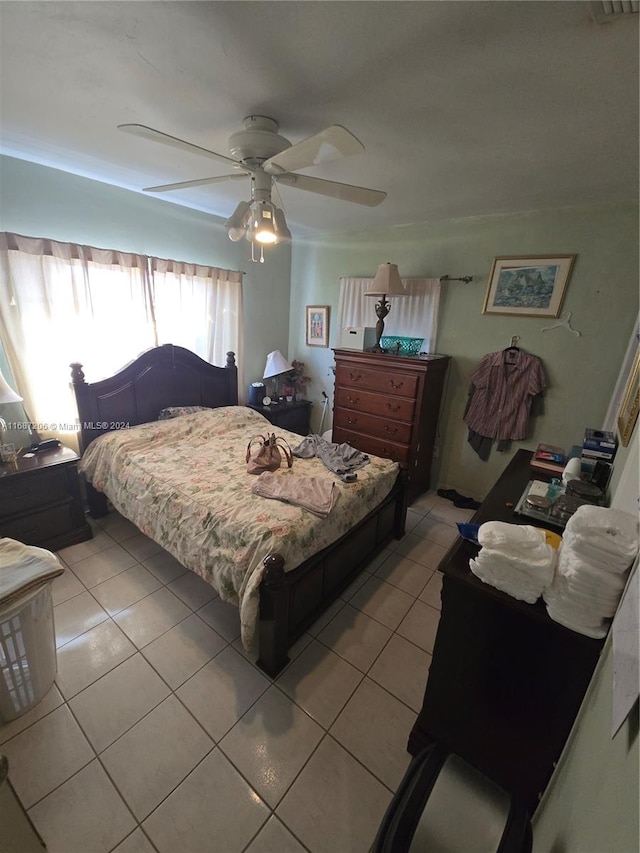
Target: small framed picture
8 453
317 325
630 405
528 287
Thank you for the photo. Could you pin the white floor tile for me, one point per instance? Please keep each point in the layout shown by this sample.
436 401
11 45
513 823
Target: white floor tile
65 586
141 546
437 531
223 617
49 702
420 626
90 656
270 744
125 589
321 682
402 669
110 706
75 616
406 574
195 817
117 527
82 550
193 590
104 565
164 566
153 757
137 842
425 502
381 745
45 755
335 804
220 693
444 510
431 593
183 650
355 636
421 550
274 837
150 617
383 602
86 813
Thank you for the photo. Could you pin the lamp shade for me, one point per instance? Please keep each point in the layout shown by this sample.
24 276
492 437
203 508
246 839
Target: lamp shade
7 394
236 224
276 364
386 282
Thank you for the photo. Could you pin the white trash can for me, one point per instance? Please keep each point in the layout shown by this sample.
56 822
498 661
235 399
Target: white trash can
28 662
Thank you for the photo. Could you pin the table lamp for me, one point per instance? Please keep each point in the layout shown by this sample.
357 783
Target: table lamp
386 282
276 365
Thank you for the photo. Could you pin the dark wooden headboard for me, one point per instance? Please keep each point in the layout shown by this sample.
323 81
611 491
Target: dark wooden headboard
161 377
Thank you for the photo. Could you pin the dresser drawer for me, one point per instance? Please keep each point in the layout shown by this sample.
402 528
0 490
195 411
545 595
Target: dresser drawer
376 446
397 408
371 425
38 528
380 381
20 493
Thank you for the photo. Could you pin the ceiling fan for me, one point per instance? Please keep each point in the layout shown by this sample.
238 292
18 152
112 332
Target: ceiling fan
260 152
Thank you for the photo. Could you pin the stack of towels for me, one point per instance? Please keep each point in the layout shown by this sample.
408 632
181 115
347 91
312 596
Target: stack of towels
515 559
598 548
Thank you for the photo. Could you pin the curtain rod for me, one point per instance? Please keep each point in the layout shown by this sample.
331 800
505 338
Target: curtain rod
465 278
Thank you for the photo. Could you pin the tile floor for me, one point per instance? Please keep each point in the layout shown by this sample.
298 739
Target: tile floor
160 733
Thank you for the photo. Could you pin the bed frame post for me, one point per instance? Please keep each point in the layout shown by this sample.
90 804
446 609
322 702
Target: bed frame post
274 613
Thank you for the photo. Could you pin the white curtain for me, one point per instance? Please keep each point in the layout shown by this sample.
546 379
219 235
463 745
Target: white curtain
61 302
411 316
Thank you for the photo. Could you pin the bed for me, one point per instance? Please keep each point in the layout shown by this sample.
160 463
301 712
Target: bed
282 564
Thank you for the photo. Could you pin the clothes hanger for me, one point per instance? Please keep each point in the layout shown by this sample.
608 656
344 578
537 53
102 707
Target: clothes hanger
563 323
511 350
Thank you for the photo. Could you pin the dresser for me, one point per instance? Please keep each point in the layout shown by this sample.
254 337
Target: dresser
294 416
506 682
388 405
41 502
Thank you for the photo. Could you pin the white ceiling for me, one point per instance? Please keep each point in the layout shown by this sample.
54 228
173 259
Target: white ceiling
465 108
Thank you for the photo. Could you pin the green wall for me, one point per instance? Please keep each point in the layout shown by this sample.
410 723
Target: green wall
41 202
581 372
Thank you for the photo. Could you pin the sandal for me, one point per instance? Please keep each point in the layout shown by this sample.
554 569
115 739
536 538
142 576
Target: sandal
449 494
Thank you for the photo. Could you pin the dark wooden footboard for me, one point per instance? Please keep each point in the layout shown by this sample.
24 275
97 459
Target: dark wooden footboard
291 601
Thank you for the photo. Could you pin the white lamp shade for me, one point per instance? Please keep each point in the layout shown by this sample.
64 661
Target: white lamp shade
236 224
7 394
387 282
276 364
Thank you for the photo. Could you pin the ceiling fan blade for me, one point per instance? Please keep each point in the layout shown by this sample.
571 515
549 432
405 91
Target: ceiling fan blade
344 192
199 182
330 144
157 136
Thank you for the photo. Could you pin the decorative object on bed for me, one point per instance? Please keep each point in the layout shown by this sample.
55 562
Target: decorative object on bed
211 522
385 283
177 411
276 365
528 286
268 456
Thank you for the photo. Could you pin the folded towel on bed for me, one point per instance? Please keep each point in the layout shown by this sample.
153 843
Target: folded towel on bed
23 568
311 493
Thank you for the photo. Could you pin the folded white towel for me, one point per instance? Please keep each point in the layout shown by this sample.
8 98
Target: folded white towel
610 530
504 536
523 591
23 568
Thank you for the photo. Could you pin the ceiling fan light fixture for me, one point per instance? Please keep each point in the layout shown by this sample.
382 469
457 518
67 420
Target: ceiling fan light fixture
261 228
236 224
280 224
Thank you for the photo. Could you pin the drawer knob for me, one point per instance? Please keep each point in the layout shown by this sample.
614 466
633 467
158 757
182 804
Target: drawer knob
391 430
352 420
353 400
393 408
396 384
355 377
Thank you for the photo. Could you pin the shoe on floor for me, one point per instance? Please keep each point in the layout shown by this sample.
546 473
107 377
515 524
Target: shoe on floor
466 503
450 494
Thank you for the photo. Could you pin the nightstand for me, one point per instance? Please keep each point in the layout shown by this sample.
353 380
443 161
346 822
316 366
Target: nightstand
41 502
294 416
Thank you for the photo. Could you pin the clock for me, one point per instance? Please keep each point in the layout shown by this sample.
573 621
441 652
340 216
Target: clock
266 401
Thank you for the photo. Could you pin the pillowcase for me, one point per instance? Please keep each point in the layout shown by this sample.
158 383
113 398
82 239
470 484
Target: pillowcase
176 411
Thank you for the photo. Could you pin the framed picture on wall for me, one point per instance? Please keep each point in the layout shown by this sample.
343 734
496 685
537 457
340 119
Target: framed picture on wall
628 411
317 325
529 287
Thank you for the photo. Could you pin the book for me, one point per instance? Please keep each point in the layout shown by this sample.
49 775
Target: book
549 453
555 469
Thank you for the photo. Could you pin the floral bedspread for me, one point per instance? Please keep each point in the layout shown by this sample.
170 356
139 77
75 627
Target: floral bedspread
183 482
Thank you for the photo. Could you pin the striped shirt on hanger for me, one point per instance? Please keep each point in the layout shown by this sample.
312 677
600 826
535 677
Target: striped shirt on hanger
502 394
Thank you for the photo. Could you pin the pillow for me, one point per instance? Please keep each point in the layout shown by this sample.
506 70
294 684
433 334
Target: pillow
176 411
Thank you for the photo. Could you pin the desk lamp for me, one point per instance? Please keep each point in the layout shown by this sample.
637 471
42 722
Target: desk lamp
7 395
276 365
387 282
